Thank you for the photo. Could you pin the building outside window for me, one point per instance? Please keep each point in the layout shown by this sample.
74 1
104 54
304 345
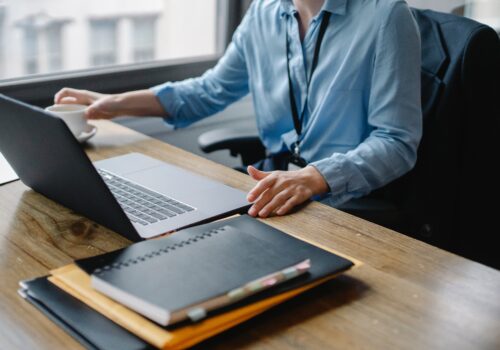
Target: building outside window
103 42
30 53
144 38
83 34
41 38
53 35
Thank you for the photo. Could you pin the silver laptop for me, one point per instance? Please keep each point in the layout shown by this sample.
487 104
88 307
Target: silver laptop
159 197
135 195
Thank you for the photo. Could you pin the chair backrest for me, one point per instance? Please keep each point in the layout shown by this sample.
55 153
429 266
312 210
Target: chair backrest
444 198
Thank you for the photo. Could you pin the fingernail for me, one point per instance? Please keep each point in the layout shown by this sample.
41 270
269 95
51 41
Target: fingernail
251 211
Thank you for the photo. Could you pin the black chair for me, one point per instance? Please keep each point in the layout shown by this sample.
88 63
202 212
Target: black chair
444 199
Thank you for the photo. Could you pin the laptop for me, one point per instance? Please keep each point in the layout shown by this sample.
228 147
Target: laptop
135 195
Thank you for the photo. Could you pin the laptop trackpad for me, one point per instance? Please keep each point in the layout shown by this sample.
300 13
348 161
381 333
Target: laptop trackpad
129 163
174 182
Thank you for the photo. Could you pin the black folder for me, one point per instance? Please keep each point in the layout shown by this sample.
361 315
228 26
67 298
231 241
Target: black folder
89 328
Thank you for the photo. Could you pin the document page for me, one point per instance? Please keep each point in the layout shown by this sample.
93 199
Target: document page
7 174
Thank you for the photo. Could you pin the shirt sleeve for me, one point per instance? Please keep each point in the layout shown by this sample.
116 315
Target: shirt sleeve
193 99
394 113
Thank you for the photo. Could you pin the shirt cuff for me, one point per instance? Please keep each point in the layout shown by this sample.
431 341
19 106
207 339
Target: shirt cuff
333 175
169 98
337 179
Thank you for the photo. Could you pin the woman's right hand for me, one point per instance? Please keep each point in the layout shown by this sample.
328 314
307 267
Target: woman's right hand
101 106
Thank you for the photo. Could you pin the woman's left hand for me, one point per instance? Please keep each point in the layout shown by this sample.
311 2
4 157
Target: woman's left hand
279 191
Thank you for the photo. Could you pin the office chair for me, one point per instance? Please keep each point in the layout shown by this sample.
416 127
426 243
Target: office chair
443 199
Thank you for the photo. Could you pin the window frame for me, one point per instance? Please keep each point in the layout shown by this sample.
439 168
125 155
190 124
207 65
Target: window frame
137 50
40 89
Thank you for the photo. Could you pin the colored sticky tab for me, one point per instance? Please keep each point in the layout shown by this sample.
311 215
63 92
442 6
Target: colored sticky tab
304 266
270 282
196 314
290 272
255 286
236 293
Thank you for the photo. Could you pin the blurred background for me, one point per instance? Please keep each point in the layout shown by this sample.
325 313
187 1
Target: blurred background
48 36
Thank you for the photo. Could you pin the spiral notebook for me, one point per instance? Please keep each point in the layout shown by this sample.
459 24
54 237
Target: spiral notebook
163 279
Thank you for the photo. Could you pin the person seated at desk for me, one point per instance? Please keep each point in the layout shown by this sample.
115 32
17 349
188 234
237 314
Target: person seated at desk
336 89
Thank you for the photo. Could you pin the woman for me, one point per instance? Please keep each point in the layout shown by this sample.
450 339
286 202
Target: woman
336 89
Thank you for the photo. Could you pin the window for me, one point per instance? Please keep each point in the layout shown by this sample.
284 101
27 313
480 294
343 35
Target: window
30 50
47 36
103 44
54 47
144 39
41 42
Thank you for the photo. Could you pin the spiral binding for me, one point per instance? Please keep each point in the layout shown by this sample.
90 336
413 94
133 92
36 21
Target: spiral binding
132 261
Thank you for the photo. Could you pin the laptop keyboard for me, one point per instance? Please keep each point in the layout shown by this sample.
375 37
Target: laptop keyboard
142 206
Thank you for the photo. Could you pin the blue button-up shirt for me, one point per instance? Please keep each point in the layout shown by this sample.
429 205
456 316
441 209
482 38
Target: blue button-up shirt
362 120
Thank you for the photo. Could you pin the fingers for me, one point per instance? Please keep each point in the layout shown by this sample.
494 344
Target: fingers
275 189
261 186
74 96
255 173
276 202
267 181
67 100
265 190
291 203
279 191
285 201
65 95
68 95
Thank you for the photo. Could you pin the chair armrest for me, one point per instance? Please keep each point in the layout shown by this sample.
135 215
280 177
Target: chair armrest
237 141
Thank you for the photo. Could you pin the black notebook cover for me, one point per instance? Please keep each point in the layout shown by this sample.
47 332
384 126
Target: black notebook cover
90 328
202 262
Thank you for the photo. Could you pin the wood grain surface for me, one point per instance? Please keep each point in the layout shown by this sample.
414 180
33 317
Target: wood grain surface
407 294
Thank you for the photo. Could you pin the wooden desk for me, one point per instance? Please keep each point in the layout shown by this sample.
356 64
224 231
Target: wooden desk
406 295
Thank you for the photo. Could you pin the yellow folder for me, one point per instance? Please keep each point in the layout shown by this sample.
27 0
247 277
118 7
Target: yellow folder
76 282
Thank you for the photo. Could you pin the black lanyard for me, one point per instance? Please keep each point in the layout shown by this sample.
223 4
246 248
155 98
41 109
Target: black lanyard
297 121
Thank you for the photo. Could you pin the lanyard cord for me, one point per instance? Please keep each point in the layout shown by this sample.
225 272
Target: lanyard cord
297 121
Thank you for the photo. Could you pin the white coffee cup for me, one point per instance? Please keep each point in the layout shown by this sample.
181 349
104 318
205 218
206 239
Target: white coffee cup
72 114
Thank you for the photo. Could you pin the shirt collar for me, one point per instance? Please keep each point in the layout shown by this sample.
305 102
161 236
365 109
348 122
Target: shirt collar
337 7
